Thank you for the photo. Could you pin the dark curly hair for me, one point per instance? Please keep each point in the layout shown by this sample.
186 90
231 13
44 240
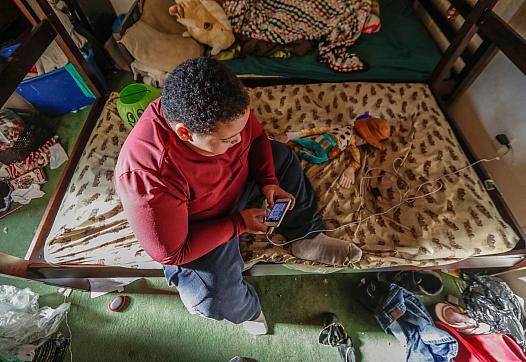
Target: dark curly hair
201 92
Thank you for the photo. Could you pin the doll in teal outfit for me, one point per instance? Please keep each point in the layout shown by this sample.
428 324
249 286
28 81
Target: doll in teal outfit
322 144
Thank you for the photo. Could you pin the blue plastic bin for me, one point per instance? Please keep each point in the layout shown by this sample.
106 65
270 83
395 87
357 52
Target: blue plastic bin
60 91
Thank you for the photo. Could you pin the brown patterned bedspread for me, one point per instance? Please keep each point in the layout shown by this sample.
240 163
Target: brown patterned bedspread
457 222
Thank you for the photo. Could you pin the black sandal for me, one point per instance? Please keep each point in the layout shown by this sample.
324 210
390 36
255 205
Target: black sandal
333 334
420 282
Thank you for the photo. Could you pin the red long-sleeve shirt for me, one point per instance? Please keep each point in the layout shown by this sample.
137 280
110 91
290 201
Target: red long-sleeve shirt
179 203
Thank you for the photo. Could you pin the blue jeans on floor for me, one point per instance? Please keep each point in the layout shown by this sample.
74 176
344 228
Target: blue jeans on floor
400 313
212 286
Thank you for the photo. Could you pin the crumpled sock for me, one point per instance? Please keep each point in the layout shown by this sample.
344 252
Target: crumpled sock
327 250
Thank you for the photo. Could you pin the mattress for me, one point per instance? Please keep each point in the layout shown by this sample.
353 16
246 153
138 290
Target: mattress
456 222
403 50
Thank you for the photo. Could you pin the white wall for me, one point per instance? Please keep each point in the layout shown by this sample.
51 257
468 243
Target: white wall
516 279
496 103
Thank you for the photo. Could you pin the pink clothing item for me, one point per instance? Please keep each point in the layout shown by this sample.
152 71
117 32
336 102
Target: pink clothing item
496 347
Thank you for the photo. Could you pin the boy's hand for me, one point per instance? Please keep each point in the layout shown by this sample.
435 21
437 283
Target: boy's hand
273 192
253 220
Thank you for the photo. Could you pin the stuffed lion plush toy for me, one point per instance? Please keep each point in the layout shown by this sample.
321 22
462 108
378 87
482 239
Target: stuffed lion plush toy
205 21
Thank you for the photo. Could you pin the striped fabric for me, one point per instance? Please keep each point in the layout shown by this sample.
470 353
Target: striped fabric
336 24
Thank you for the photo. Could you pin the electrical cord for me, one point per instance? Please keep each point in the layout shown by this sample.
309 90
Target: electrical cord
364 183
69 331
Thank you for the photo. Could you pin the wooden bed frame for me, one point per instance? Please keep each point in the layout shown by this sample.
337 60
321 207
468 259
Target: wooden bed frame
446 85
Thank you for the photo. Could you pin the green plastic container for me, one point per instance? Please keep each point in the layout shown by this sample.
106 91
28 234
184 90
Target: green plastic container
133 100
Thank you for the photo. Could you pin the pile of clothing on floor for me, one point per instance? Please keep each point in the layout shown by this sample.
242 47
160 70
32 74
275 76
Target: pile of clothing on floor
25 149
487 325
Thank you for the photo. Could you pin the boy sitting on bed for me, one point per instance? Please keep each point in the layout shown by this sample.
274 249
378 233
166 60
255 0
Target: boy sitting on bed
185 174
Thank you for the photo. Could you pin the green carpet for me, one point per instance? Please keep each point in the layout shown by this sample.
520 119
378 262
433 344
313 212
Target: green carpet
157 327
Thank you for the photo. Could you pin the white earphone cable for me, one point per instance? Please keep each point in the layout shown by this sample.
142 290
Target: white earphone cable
365 183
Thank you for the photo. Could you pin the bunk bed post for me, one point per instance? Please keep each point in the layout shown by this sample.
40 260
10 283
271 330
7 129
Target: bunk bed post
497 35
458 46
27 12
32 44
43 10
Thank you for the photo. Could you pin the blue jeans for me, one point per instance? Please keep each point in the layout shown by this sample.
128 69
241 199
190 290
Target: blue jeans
400 313
212 286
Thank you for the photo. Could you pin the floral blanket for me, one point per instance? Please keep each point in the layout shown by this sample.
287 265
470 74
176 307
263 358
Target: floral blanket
336 24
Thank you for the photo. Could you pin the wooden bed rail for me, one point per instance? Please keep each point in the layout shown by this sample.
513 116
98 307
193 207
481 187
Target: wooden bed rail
133 15
22 268
483 175
444 24
70 274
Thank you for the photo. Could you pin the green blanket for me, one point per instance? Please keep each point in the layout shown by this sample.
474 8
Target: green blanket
402 50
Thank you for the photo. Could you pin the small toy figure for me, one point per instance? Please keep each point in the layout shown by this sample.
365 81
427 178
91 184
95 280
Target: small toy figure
329 143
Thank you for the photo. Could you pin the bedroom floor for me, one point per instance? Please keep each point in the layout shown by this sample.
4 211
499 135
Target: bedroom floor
156 327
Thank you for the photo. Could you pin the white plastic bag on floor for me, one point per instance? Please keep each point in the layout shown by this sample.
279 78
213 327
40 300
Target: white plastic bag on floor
22 323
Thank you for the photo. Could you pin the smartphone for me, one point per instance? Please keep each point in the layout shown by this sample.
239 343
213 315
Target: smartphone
276 215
